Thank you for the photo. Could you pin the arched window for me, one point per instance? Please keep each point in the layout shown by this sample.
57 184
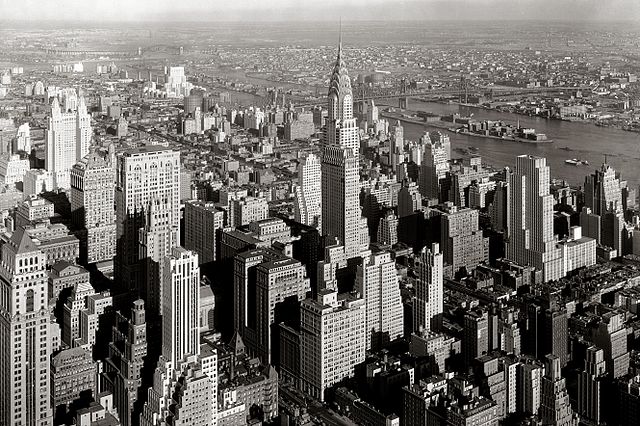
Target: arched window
30 300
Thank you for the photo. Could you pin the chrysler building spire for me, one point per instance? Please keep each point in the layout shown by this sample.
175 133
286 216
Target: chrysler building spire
340 95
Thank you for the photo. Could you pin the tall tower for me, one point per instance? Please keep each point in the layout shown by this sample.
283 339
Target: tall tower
183 391
332 340
396 145
434 165
605 194
181 306
340 164
531 238
340 197
25 345
308 192
377 282
92 206
341 128
67 140
157 239
603 191
143 175
555 408
428 302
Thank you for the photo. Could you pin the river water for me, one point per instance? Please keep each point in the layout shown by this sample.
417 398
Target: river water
586 141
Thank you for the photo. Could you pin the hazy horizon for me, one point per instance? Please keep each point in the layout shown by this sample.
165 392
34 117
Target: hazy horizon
151 11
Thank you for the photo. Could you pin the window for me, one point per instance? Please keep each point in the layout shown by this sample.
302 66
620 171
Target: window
29 300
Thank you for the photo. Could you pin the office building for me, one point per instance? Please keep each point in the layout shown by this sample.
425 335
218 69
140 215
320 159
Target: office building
65 275
462 176
176 85
157 239
332 340
308 195
23 139
610 334
202 222
122 374
67 141
531 237
73 376
428 302
37 181
24 361
591 386
396 146
475 339
184 390
340 164
181 306
34 209
479 411
143 175
92 200
463 244
248 209
377 282
280 284
13 168
409 199
436 152
388 229
340 198
603 191
529 385
555 407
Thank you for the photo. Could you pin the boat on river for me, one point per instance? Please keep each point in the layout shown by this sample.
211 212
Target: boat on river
576 162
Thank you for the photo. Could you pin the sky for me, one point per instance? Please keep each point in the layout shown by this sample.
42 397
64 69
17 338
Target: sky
318 10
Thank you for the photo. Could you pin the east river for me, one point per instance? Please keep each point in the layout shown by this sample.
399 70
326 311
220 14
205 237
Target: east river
585 141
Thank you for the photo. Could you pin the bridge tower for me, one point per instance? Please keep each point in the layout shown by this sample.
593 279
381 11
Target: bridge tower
403 100
463 93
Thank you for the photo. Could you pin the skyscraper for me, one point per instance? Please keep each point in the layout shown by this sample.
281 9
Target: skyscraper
603 191
475 339
396 145
555 408
92 206
67 140
531 238
340 164
157 239
434 165
202 222
590 385
332 340
340 197
308 192
341 128
604 194
428 302
463 244
377 282
127 353
184 385
181 306
143 175
24 334
279 285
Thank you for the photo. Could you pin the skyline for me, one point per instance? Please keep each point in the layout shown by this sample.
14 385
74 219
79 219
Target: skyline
332 10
